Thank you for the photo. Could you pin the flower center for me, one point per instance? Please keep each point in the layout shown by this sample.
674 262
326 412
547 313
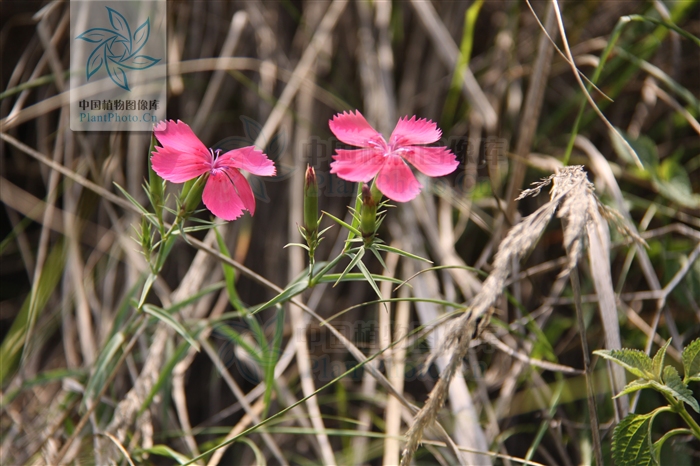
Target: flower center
215 153
381 146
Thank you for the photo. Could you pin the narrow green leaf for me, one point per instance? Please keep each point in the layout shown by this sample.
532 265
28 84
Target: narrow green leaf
131 199
368 276
20 331
166 451
635 361
156 185
272 354
103 366
288 293
352 229
259 456
193 229
465 51
228 332
258 334
679 390
165 375
168 319
630 443
41 379
195 297
354 277
373 248
355 259
296 244
229 275
398 251
657 364
691 361
146 289
164 251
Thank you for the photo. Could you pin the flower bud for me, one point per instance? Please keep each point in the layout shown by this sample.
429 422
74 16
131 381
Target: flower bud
191 196
310 201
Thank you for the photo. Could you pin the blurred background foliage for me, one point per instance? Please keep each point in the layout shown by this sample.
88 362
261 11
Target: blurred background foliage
70 268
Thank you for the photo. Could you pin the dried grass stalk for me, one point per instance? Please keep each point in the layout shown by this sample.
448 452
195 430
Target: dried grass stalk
572 196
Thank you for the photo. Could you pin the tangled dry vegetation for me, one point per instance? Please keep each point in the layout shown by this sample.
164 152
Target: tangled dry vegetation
483 357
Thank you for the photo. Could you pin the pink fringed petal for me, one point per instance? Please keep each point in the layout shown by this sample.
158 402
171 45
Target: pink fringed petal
357 165
221 197
352 128
396 181
182 155
248 159
432 161
178 136
243 189
178 167
414 131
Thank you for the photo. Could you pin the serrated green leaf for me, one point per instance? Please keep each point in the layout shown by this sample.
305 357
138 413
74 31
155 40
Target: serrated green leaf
630 443
679 390
163 450
691 361
635 361
167 319
672 181
657 364
644 147
634 386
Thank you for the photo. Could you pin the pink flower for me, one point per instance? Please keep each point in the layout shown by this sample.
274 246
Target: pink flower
396 180
184 157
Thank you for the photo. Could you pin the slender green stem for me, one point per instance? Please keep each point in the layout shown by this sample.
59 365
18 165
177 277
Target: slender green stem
314 280
679 407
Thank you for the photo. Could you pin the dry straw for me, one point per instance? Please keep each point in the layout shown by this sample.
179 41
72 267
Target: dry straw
582 214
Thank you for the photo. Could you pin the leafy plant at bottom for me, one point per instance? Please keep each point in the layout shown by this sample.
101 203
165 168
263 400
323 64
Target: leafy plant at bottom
632 442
